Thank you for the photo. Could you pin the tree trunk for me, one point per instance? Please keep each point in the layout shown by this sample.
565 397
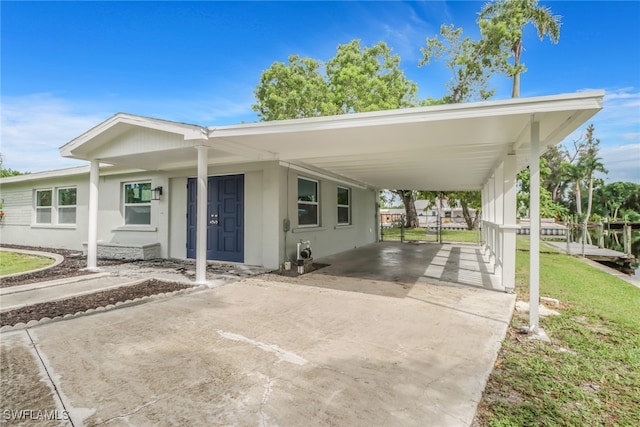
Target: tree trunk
554 194
471 222
517 51
578 198
409 207
589 204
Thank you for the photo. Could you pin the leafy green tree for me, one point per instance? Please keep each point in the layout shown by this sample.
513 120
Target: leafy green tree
548 208
472 63
361 78
632 201
357 79
502 22
556 182
468 200
292 91
590 163
610 198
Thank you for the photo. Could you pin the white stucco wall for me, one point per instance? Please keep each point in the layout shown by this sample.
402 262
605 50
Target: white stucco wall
329 237
18 226
261 210
270 198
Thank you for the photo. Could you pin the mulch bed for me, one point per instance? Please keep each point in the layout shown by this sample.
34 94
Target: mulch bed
72 266
85 302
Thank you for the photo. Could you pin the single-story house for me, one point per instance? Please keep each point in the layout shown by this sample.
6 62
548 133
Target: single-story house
250 193
429 215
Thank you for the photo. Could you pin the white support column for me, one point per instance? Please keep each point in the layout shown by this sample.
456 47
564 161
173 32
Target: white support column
92 220
484 216
534 205
492 219
510 226
499 209
202 217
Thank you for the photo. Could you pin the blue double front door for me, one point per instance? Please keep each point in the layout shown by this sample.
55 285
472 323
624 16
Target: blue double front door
225 218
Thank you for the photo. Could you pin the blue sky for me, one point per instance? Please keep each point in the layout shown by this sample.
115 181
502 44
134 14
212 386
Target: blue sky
67 66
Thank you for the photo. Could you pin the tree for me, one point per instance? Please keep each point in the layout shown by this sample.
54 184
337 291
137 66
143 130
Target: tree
292 91
502 22
472 63
548 208
356 79
611 198
590 163
556 181
364 79
468 200
408 198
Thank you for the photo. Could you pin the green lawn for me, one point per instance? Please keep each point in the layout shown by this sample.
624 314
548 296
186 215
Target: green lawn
430 236
590 372
12 262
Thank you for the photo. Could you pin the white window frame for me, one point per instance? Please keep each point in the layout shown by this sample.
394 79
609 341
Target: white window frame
125 204
348 205
304 202
66 207
39 208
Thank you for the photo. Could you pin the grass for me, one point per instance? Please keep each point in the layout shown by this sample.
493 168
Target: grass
12 262
430 236
590 372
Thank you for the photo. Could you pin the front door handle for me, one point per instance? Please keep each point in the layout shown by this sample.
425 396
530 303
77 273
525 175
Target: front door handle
213 222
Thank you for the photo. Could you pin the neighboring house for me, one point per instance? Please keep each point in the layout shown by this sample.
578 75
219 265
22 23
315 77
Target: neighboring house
249 193
427 214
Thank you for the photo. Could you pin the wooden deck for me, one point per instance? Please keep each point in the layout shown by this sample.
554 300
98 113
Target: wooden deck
592 252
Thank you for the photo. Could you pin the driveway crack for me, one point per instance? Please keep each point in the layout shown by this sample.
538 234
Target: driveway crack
135 411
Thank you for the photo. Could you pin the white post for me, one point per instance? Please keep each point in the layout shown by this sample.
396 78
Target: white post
92 220
534 238
484 217
201 222
499 210
509 231
491 216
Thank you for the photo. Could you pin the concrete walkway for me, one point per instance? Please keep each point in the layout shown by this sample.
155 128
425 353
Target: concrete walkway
272 350
15 297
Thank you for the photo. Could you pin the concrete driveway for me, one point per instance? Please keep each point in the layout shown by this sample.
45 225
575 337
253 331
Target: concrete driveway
266 351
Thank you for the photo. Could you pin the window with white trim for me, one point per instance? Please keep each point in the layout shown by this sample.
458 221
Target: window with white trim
44 203
308 203
56 206
67 205
137 203
344 206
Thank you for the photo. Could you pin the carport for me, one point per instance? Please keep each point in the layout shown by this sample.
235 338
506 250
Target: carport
472 146
459 147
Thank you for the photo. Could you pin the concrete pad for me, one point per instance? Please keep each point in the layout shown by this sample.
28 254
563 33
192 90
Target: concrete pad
264 352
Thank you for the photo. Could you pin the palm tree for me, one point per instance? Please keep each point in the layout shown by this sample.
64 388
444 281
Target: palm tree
515 15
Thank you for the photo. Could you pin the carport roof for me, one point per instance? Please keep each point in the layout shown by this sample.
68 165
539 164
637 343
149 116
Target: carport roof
443 147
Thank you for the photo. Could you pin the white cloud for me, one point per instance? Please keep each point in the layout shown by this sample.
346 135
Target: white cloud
617 126
35 126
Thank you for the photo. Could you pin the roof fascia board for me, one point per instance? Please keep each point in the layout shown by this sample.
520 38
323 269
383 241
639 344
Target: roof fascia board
513 106
189 132
326 174
58 173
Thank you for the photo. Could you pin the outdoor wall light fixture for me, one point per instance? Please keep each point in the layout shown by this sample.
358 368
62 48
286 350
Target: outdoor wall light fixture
156 193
